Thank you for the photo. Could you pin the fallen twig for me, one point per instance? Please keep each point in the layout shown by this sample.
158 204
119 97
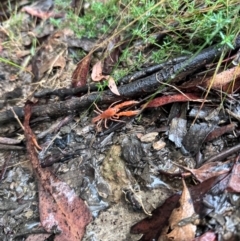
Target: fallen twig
11 147
63 92
224 154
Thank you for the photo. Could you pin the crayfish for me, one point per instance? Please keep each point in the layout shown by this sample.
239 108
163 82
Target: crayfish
112 113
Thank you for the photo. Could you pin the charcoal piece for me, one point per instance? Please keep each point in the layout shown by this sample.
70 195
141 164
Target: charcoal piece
132 151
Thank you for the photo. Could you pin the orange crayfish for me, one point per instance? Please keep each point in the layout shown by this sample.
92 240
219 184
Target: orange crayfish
112 113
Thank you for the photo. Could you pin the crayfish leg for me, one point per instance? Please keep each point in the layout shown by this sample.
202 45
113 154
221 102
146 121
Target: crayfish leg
105 124
129 113
98 108
117 120
126 103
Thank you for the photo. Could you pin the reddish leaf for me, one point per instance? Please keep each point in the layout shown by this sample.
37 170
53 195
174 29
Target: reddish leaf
79 76
233 184
163 100
60 208
210 169
220 131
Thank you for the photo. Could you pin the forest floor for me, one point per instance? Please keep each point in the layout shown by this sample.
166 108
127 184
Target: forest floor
119 121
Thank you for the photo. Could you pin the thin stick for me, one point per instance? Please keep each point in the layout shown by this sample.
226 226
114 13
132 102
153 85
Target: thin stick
16 117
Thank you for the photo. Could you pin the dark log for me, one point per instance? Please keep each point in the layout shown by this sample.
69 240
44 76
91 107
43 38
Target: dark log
63 92
140 88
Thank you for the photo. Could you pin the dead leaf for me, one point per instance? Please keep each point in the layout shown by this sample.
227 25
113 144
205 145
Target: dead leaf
152 227
60 208
219 81
51 54
37 237
167 99
219 131
112 54
13 77
185 232
79 76
211 169
42 9
97 72
97 76
112 86
223 78
233 184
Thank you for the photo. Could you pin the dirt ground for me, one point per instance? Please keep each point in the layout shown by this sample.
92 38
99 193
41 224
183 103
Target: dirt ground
122 175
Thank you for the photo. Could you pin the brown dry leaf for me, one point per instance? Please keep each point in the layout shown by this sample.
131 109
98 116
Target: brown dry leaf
42 9
233 184
112 55
224 77
185 232
219 131
59 62
60 208
51 54
97 72
112 85
79 76
13 77
152 227
210 169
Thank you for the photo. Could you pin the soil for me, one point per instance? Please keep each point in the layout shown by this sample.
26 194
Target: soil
118 174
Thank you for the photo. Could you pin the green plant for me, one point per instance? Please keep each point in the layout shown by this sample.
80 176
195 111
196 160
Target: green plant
102 85
188 26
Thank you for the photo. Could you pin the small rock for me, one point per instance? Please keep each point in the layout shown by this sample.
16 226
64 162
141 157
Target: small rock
149 137
132 151
158 145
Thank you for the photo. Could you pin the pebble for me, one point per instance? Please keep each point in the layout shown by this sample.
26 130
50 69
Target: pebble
158 145
150 137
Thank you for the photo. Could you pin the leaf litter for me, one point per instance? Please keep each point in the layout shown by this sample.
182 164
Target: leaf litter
122 170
